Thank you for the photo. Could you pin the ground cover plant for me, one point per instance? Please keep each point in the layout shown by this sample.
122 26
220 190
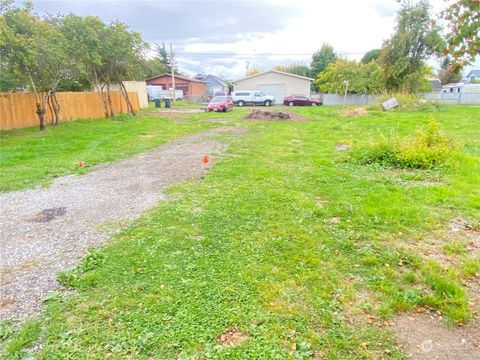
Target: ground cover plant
426 150
283 250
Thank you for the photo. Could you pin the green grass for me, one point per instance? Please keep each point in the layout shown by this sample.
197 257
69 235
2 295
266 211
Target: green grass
30 158
285 242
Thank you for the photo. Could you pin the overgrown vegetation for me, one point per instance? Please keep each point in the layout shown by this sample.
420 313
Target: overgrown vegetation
406 102
305 255
426 150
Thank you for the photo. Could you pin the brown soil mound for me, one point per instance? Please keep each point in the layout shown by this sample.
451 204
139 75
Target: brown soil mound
232 337
354 112
264 115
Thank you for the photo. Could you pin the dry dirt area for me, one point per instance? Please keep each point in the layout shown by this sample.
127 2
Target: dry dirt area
232 337
359 111
266 115
424 335
44 231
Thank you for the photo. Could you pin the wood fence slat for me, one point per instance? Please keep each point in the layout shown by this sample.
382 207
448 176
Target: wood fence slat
17 110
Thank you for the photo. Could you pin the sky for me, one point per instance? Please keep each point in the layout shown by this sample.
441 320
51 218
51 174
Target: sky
225 37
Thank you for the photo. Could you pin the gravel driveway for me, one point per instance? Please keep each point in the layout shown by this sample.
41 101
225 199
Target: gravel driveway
44 231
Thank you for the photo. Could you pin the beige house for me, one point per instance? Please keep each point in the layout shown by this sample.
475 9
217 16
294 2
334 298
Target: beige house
276 83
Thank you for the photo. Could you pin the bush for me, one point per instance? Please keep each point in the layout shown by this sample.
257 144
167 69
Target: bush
427 150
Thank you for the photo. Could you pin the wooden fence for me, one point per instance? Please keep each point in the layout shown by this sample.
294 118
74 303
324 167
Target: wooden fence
17 110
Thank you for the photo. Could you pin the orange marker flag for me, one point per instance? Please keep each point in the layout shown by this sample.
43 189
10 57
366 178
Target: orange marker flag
206 159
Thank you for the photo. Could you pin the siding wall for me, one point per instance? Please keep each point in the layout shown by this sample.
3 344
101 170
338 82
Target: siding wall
188 87
140 87
292 84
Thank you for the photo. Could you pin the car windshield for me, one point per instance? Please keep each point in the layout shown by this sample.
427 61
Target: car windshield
219 99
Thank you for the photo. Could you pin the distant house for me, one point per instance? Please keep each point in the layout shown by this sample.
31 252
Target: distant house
436 84
277 83
188 85
452 87
472 76
215 86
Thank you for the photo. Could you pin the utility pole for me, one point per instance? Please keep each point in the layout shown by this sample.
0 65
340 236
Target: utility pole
172 67
346 83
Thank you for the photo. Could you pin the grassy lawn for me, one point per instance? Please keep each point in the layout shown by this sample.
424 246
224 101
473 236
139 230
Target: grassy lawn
29 158
297 251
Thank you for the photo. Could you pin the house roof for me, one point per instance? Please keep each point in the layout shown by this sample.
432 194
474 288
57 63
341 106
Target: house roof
177 77
450 85
436 83
474 72
276 72
216 79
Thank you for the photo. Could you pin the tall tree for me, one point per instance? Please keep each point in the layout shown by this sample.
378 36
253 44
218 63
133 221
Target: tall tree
33 50
373 54
447 73
162 54
416 38
463 36
122 53
321 59
361 78
299 68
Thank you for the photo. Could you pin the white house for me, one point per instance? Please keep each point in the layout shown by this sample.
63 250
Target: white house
276 83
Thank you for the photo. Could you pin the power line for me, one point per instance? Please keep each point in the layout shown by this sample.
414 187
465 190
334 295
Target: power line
262 54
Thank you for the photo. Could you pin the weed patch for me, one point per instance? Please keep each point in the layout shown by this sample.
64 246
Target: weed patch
83 276
426 150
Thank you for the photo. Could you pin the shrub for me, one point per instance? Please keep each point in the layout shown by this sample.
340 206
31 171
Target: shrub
427 150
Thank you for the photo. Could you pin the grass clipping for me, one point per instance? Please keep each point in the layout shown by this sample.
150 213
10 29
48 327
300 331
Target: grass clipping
428 149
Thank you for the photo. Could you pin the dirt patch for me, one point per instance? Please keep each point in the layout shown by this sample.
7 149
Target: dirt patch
359 111
343 147
265 115
459 232
423 336
47 215
231 338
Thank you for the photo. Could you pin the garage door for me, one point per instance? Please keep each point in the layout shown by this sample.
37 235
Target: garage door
277 90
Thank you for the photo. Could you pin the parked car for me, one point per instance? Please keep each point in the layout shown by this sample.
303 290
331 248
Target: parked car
300 100
220 103
242 98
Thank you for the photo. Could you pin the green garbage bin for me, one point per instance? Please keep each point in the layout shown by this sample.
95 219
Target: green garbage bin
168 103
158 103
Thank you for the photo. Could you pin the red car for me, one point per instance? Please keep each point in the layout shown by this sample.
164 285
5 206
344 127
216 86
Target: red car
300 100
220 103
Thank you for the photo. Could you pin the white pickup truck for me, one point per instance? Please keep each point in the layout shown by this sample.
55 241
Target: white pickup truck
241 98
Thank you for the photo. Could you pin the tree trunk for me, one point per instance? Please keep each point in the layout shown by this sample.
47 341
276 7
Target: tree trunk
123 90
41 116
50 107
112 114
56 108
42 109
